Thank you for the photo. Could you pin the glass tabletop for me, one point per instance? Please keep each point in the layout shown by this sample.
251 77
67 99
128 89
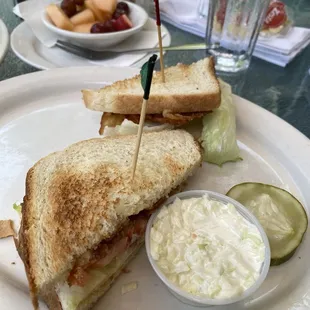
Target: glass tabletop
283 91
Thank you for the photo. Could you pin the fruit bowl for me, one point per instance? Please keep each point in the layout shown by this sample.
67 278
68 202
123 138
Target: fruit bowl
100 41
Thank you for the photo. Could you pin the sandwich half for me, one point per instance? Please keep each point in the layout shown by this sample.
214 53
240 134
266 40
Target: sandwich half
190 91
84 218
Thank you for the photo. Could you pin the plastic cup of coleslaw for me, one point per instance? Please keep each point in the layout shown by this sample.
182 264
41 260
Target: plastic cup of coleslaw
201 301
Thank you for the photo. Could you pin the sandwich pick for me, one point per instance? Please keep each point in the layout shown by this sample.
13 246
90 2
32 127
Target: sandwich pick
160 42
146 74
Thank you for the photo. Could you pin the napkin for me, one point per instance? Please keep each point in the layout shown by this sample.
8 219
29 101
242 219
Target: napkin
143 39
25 10
191 16
280 59
282 50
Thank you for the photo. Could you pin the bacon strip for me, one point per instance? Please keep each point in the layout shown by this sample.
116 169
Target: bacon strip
177 119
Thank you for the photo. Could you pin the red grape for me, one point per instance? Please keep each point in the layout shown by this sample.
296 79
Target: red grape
97 28
123 6
69 7
107 26
118 13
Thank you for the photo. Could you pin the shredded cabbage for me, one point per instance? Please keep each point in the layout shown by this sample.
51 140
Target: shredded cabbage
130 128
219 131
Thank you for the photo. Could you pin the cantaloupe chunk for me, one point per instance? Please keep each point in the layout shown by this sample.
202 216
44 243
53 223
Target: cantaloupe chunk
85 28
58 17
99 15
84 17
106 6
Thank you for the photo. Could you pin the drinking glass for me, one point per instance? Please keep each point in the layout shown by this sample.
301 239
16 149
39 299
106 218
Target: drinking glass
232 30
147 5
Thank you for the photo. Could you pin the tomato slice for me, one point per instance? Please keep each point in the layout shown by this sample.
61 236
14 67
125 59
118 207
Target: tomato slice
129 234
220 14
140 226
78 276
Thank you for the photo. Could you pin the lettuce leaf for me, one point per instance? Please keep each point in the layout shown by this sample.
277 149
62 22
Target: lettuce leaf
219 131
18 208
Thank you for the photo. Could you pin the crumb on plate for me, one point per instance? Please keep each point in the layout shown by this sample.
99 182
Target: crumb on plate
131 286
6 229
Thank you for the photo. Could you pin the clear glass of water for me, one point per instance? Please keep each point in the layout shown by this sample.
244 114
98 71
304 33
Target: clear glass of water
147 5
232 30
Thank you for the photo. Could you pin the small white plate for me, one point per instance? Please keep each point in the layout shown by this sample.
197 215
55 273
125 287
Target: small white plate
4 40
30 50
43 112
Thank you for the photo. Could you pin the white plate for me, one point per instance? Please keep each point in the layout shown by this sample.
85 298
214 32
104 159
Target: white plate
43 112
30 50
4 40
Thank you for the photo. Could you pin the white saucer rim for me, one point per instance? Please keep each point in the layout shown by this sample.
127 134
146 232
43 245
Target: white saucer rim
5 38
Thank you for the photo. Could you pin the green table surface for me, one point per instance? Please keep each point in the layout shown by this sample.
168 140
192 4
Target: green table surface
283 91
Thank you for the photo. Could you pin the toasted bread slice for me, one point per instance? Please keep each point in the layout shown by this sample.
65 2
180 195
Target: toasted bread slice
82 195
188 88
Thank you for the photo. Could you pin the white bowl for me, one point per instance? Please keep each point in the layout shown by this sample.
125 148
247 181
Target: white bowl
100 41
201 301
